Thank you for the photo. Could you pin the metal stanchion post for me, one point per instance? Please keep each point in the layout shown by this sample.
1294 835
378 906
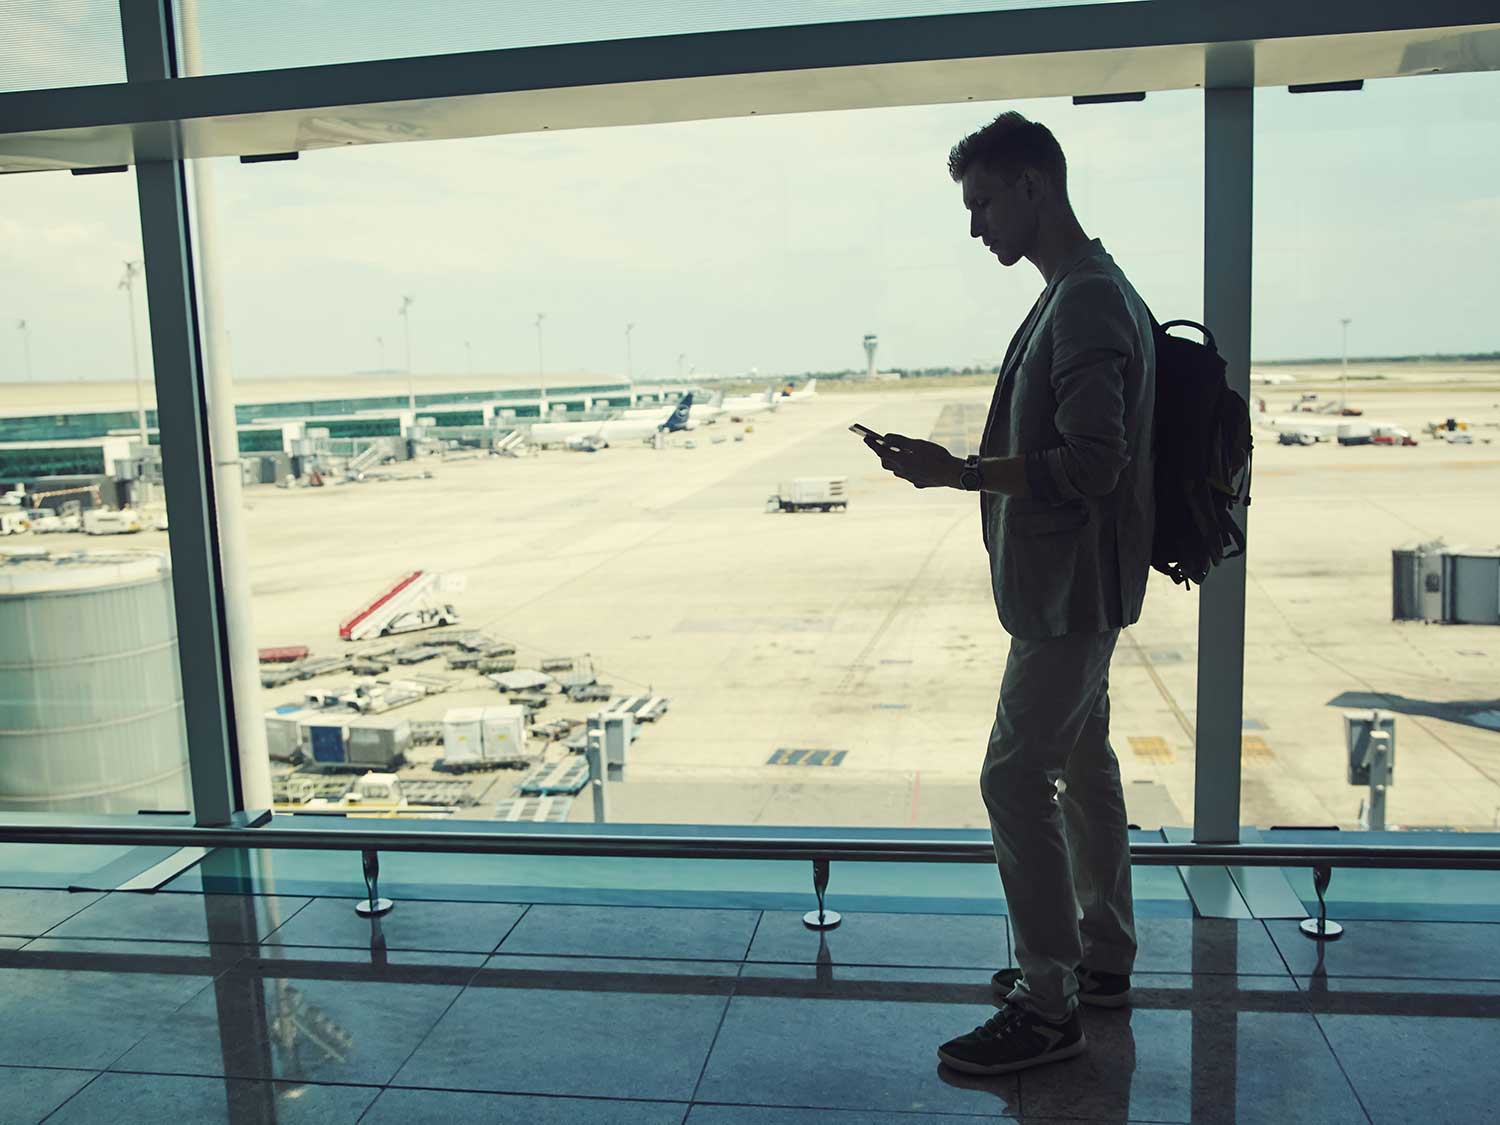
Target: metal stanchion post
598 768
373 906
1320 928
821 919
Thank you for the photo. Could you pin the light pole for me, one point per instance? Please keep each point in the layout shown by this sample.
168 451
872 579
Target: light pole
127 283
411 387
380 343
629 359
541 367
469 357
25 345
680 357
1344 380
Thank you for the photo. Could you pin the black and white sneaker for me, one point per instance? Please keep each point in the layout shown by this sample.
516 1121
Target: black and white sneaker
1096 989
1012 1039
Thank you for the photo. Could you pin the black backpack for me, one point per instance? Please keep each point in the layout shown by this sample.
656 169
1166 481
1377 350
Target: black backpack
1201 441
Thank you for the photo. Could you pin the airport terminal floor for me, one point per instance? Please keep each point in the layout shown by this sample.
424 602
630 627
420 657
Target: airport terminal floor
246 989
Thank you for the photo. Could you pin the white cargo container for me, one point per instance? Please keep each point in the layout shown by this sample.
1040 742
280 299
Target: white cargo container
823 494
379 742
503 734
284 732
463 734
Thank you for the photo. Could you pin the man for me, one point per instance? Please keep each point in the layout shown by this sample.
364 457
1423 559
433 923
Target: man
1064 475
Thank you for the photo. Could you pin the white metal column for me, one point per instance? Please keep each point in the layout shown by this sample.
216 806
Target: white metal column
182 418
1228 164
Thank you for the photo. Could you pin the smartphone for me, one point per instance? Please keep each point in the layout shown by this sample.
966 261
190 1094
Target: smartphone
865 432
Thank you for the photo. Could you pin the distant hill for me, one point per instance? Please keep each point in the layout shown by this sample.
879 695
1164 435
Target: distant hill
1471 357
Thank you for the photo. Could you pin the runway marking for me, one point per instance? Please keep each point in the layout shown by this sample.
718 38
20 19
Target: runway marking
1373 468
960 426
1152 749
1161 687
805 757
846 685
1255 752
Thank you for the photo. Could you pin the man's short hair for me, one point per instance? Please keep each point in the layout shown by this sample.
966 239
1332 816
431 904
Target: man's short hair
1009 145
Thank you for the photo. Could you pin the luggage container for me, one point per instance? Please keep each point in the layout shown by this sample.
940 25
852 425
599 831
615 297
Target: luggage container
463 734
327 741
284 732
503 734
379 743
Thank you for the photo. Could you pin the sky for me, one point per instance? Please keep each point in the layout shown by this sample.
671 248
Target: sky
771 243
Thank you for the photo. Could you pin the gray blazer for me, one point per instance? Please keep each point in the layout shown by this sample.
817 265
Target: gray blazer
1075 397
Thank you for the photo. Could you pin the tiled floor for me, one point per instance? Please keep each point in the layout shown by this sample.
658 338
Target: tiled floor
191 1008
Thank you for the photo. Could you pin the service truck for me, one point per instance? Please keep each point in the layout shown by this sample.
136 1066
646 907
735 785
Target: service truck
810 494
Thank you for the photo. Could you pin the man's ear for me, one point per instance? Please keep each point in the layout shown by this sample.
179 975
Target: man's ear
1032 186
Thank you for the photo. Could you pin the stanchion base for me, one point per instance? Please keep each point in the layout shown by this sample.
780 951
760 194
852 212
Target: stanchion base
368 909
828 920
1327 931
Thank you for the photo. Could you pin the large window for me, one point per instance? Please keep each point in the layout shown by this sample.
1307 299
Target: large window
834 667
91 715
282 33
1375 224
50 43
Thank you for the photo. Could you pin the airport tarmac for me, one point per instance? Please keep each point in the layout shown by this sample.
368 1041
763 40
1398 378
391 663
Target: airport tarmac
873 632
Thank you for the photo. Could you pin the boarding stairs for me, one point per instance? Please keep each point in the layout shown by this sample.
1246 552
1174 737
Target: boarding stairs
411 597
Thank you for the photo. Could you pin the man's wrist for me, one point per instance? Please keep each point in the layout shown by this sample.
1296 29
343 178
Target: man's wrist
970 478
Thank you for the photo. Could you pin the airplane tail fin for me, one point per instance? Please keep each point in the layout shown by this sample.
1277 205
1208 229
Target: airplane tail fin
811 388
678 419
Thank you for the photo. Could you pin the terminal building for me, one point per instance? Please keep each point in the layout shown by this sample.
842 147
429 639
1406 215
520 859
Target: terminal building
38 447
180 945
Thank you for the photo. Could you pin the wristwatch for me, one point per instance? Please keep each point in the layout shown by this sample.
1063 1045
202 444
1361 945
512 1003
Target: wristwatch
968 477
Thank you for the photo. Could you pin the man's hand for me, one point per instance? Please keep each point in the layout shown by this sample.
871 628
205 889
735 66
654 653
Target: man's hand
924 464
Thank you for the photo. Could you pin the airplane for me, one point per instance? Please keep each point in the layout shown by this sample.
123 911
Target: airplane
1272 378
699 413
751 404
1308 426
789 395
589 436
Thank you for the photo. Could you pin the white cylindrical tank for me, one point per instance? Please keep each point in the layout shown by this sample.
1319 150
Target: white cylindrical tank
91 715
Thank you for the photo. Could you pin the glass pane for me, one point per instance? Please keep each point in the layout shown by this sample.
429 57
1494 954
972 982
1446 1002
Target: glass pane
47 43
1376 239
828 667
90 694
282 33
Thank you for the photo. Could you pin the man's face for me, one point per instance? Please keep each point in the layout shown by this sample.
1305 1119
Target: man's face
1002 211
